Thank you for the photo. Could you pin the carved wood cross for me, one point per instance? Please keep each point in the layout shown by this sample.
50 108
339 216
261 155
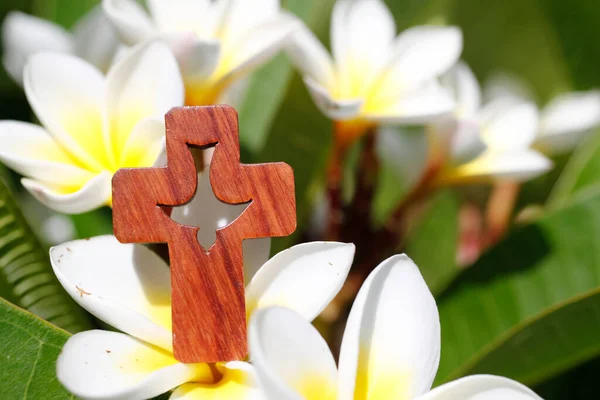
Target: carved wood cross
207 286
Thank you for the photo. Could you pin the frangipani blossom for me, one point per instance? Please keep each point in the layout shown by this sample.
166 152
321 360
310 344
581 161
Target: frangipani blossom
215 42
91 125
493 141
128 287
375 76
390 349
93 39
564 121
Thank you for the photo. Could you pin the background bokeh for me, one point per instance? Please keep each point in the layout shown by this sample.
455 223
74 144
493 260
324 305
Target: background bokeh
551 44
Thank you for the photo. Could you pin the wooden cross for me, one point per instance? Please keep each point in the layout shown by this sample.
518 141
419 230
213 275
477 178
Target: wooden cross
207 286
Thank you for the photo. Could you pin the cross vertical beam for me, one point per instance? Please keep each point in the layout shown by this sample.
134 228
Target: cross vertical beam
207 286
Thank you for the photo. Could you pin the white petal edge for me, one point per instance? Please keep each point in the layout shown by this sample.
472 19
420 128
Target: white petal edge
403 150
130 20
96 39
24 35
519 166
125 285
566 119
310 56
427 104
391 345
461 81
334 109
94 194
362 34
261 43
30 150
481 387
66 93
291 358
146 82
144 144
421 54
304 278
513 128
109 365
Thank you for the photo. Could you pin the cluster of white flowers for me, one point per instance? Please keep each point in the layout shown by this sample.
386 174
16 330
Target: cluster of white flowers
100 93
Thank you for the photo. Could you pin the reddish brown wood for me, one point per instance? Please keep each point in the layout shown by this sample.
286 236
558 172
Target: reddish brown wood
208 304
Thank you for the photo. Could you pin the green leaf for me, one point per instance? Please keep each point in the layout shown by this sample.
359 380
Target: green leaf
29 350
268 85
93 223
582 172
439 228
530 308
63 12
26 277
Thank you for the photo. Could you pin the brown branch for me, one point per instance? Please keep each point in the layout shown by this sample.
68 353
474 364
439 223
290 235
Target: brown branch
335 216
499 210
357 226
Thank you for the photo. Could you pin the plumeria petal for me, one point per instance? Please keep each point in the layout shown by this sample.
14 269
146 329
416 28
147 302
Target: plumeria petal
145 83
96 39
200 60
466 143
125 285
420 54
292 360
318 268
427 104
512 129
334 109
239 16
311 57
463 84
391 345
24 35
481 387
66 94
238 383
178 15
520 165
566 119
404 151
261 43
362 33
95 193
111 365
144 144
129 19
31 151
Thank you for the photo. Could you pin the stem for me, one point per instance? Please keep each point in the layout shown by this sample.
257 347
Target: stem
216 374
499 210
335 170
358 222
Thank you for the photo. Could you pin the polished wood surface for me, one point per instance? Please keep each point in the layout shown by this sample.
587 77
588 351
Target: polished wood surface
208 302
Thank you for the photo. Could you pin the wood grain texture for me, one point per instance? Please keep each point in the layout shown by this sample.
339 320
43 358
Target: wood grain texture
208 302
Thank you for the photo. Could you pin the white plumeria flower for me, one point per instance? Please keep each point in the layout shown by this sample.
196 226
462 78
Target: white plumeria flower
91 125
93 39
374 75
390 349
564 121
216 42
128 286
493 142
